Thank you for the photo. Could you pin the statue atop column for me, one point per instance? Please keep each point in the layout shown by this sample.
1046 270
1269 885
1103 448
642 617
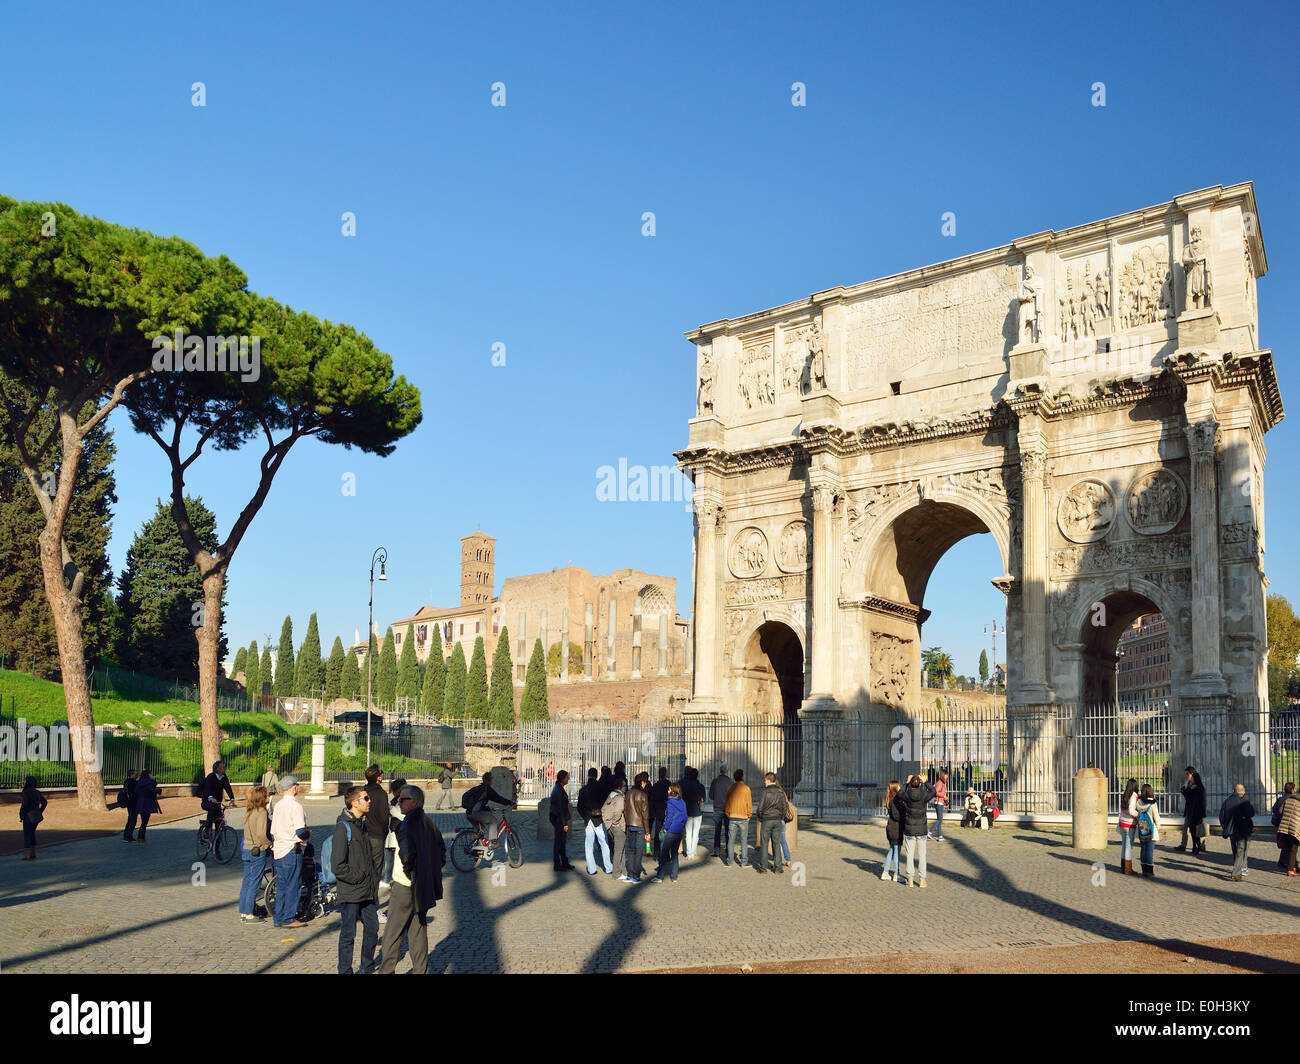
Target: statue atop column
1196 270
706 383
1030 302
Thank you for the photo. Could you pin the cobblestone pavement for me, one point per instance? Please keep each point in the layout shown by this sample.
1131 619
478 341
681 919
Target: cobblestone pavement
102 905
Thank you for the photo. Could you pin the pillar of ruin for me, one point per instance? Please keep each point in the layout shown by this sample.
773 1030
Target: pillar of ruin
546 647
609 639
663 643
521 658
636 638
588 648
564 645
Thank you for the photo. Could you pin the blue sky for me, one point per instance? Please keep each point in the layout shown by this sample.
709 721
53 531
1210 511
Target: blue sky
522 225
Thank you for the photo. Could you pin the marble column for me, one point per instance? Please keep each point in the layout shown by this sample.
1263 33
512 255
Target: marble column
636 638
710 533
1033 563
825 497
546 647
1207 674
588 648
564 645
610 635
663 643
521 657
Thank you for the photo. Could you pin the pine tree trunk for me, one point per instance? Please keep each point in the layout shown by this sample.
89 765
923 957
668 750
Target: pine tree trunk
65 606
209 637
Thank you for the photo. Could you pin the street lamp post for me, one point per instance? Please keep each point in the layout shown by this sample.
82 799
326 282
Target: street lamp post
381 556
993 671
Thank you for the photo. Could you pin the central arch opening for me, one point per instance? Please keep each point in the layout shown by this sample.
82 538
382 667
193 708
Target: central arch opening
772 684
939 559
1110 619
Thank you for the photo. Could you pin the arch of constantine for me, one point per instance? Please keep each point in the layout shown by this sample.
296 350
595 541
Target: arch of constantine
1095 399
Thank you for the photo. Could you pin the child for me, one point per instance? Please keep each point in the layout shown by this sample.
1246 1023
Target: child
893 831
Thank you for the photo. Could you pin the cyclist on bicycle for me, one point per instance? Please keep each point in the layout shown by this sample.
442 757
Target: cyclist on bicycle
475 803
210 792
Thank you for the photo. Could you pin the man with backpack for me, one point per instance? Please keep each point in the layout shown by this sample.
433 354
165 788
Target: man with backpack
126 800
475 803
352 865
1237 820
445 780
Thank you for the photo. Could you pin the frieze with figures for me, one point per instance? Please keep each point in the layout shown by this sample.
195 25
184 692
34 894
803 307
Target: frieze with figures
767 589
1086 512
1156 502
1112 557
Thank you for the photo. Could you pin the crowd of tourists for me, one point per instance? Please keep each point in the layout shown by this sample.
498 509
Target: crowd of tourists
624 823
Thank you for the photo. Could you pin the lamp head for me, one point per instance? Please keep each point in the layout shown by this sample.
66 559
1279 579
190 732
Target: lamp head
382 574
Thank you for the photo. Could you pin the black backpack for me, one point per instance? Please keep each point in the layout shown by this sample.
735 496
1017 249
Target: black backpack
123 800
469 799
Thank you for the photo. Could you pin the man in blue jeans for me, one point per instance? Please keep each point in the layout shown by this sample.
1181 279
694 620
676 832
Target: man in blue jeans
288 830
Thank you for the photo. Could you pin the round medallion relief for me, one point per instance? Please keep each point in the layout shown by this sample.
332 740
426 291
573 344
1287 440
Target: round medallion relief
1156 502
1087 511
748 554
792 547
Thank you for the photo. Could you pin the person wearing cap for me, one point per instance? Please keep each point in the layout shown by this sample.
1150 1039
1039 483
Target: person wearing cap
288 831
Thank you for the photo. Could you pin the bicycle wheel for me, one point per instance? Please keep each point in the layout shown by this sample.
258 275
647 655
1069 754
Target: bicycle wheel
203 843
268 897
227 842
462 852
514 848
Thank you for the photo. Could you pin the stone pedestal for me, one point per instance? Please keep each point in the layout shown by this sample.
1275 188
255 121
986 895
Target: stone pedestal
1089 824
1198 328
1027 366
318 769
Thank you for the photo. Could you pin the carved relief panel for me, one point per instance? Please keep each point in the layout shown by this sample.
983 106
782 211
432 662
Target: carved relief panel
1086 512
891 668
748 554
792 548
1156 502
1083 289
756 381
1145 291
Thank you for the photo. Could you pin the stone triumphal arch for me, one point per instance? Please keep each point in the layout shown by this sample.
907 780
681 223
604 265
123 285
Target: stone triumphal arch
1095 399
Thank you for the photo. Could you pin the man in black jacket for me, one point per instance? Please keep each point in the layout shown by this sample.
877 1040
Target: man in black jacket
658 805
376 817
475 803
211 790
128 787
915 797
1193 792
560 815
1237 819
417 884
590 799
718 794
358 882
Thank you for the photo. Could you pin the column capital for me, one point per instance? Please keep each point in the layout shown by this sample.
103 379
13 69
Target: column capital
1201 436
710 512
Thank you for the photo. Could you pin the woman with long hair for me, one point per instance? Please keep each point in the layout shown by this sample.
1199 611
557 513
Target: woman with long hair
893 831
256 850
1128 814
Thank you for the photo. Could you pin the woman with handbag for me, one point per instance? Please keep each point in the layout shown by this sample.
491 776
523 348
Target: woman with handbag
1147 827
1127 825
31 813
1193 792
256 851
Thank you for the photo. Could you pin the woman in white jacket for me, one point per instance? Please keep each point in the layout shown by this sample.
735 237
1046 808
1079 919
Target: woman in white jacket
1147 828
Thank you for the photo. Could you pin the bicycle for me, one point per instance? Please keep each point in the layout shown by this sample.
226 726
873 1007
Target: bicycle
471 846
217 838
314 898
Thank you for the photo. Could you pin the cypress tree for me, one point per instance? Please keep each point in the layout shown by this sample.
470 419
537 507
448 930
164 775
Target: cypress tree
241 659
350 679
435 673
284 661
308 679
984 666
453 698
408 669
532 704
501 701
265 674
334 671
157 592
476 685
253 671
386 672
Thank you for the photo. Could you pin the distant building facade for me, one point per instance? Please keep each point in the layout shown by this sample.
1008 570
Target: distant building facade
1144 669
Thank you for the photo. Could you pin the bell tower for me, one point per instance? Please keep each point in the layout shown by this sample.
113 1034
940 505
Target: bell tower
476 568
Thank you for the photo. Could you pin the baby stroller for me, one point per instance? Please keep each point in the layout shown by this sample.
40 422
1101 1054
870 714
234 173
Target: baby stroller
314 897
